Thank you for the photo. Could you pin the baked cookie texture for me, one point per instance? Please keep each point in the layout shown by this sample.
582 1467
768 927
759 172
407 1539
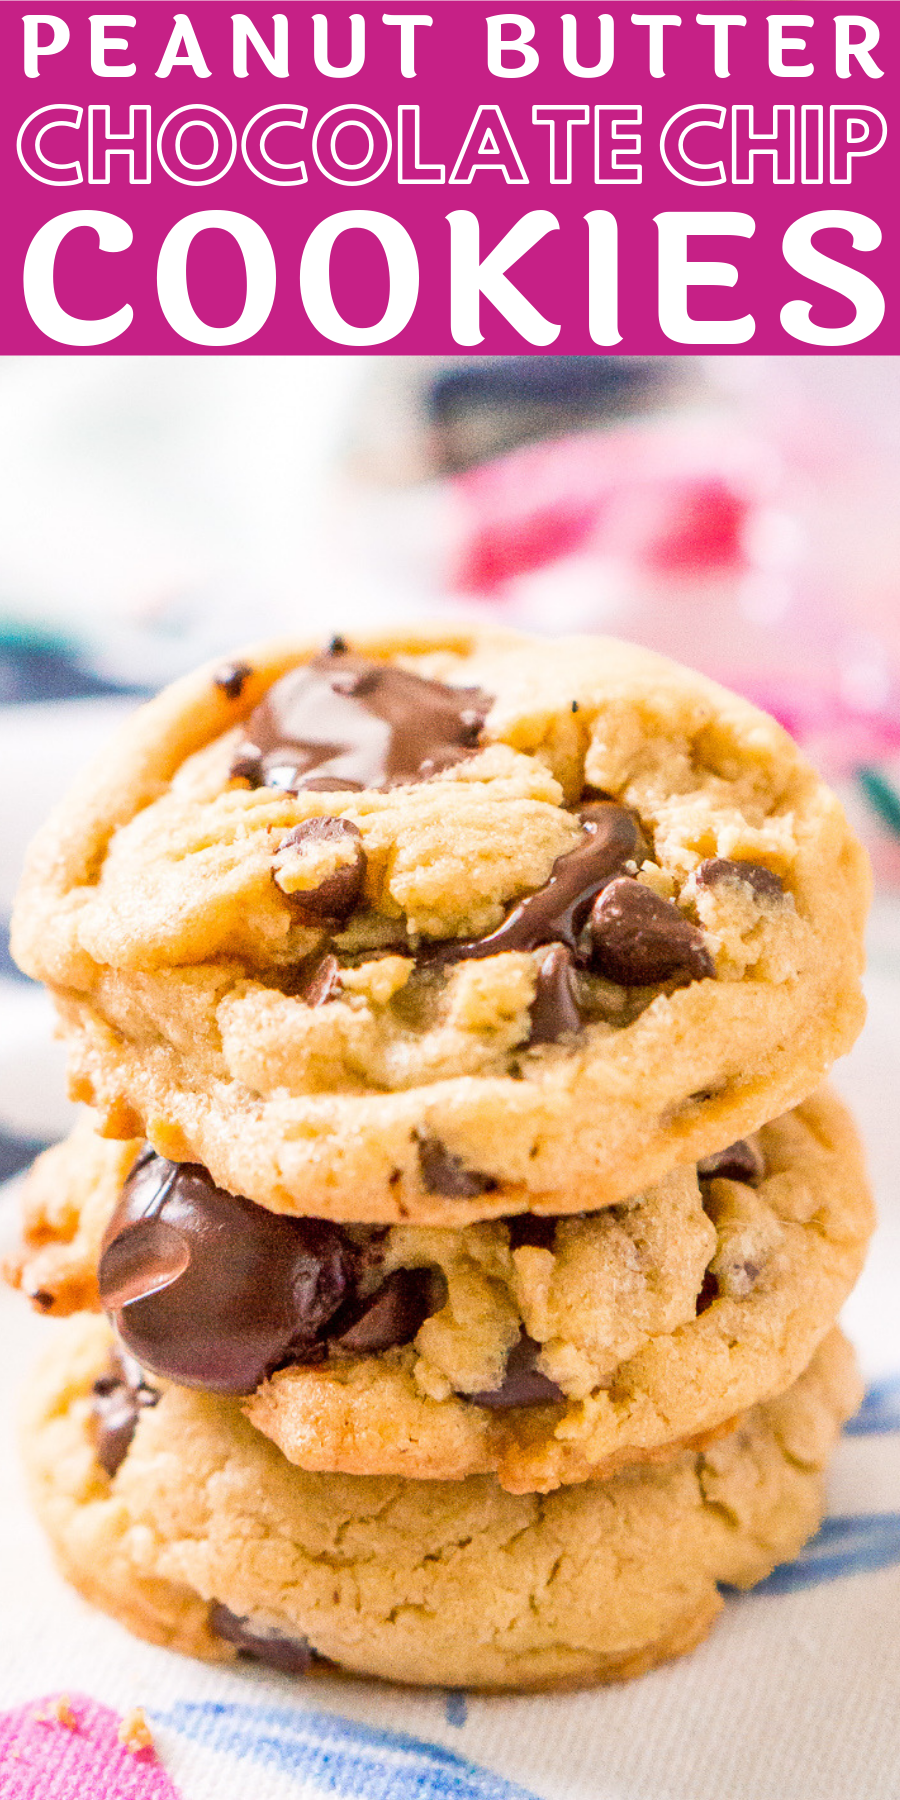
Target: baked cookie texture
647 1324
68 1197
366 1062
643 1362
205 1523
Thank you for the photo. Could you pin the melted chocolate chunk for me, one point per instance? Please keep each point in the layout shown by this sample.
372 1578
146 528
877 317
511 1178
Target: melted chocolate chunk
444 1173
232 679
211 1290
292 1656
555 1011
321 983
333 900
523 1384
557 912
738 1162
389 1317
530 1228
348 722
764 883
640 939
117 1399
144 1260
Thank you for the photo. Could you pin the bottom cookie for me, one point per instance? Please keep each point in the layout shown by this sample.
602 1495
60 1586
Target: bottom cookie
207 1539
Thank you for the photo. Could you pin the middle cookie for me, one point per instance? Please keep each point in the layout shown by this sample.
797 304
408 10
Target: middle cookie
547 1350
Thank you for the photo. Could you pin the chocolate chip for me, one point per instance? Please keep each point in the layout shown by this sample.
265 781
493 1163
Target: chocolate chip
444 1173
742 1161
117 1399
246 765
332 901
555 1011
248 1290
347 721
640 939
709 1292
523 1384
530 1228
557 911
764 882
337 646
232 679
292 1656
389 1317
320 983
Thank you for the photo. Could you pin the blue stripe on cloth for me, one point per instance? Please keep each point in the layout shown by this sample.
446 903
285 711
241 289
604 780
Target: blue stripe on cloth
456 1707
17 1152
37 666
10 971
342 1756
880 1410
849 1544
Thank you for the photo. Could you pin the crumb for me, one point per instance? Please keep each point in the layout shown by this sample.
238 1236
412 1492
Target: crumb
134 1732
57 1712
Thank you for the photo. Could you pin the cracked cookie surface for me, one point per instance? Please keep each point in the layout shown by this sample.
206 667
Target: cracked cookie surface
287 979
546 1350
206 1538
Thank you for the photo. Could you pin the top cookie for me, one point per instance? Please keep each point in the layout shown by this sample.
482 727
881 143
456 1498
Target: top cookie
446 926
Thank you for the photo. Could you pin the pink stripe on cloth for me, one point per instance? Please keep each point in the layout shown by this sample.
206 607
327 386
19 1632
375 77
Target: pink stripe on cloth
44 1759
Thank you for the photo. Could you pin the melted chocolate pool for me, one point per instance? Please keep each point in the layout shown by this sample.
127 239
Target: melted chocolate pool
344 721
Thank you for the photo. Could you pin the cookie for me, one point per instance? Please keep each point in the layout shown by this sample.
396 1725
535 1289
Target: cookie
446 928
547 1350
655 1323
205 1538
68 1197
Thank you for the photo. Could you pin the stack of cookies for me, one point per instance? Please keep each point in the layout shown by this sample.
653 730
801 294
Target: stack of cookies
457 1228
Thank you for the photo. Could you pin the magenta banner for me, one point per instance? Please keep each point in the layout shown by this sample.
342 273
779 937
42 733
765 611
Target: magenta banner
556 179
